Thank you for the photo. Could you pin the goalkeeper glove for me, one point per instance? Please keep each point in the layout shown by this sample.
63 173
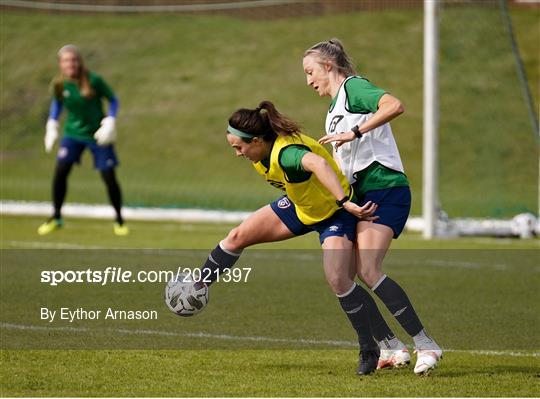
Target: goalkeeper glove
51 134
106 134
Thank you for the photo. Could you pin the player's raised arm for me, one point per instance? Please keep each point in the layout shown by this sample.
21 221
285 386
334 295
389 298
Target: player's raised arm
389 107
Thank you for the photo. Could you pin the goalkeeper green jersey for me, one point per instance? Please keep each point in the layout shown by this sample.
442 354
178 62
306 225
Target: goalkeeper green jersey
84 114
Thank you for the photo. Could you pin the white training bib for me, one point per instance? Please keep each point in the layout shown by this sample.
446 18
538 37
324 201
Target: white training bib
376 145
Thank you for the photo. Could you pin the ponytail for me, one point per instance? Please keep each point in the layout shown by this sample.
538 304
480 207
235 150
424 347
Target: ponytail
332 51
279 123
84 83
265 121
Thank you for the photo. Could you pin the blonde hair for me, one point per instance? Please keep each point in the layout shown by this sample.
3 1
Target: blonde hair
83 78
332 51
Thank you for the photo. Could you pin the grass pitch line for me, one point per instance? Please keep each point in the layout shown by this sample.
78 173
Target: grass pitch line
17 244
227 337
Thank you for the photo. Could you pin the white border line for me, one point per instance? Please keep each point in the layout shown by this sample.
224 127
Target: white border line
227 337
464 227
188 215
289 254
34 208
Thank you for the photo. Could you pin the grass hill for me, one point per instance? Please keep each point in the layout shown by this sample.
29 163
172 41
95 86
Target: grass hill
179 78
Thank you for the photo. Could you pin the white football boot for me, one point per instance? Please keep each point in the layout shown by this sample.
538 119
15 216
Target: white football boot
394 357
427 358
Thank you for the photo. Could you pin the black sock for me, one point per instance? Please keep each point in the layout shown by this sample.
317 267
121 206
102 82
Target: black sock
354 305
218 261
59 187
380 329
398 303
115 195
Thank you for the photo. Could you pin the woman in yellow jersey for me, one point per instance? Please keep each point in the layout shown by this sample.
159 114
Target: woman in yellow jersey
317 198
358 126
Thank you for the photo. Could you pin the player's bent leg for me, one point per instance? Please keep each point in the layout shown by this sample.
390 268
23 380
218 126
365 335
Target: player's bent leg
373 241
59 189
261 226
337 260
115 197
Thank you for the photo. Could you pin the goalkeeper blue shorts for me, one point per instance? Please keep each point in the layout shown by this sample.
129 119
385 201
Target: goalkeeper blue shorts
340 224
71 149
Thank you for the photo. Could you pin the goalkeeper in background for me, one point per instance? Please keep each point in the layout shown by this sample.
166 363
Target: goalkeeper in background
80 92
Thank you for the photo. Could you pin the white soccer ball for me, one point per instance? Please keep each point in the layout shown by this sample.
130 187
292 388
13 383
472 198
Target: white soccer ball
524 225
185 297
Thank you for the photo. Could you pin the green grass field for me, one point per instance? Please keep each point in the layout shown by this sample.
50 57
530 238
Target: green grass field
180 77
280 334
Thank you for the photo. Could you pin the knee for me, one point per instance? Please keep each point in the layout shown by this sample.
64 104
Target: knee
62 170
369 275
236 240
339 284
108 175
59 177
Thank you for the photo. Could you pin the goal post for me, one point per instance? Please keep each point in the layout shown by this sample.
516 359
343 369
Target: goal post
442 34
430 123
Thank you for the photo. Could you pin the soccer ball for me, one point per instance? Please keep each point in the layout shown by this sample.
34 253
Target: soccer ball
185 297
